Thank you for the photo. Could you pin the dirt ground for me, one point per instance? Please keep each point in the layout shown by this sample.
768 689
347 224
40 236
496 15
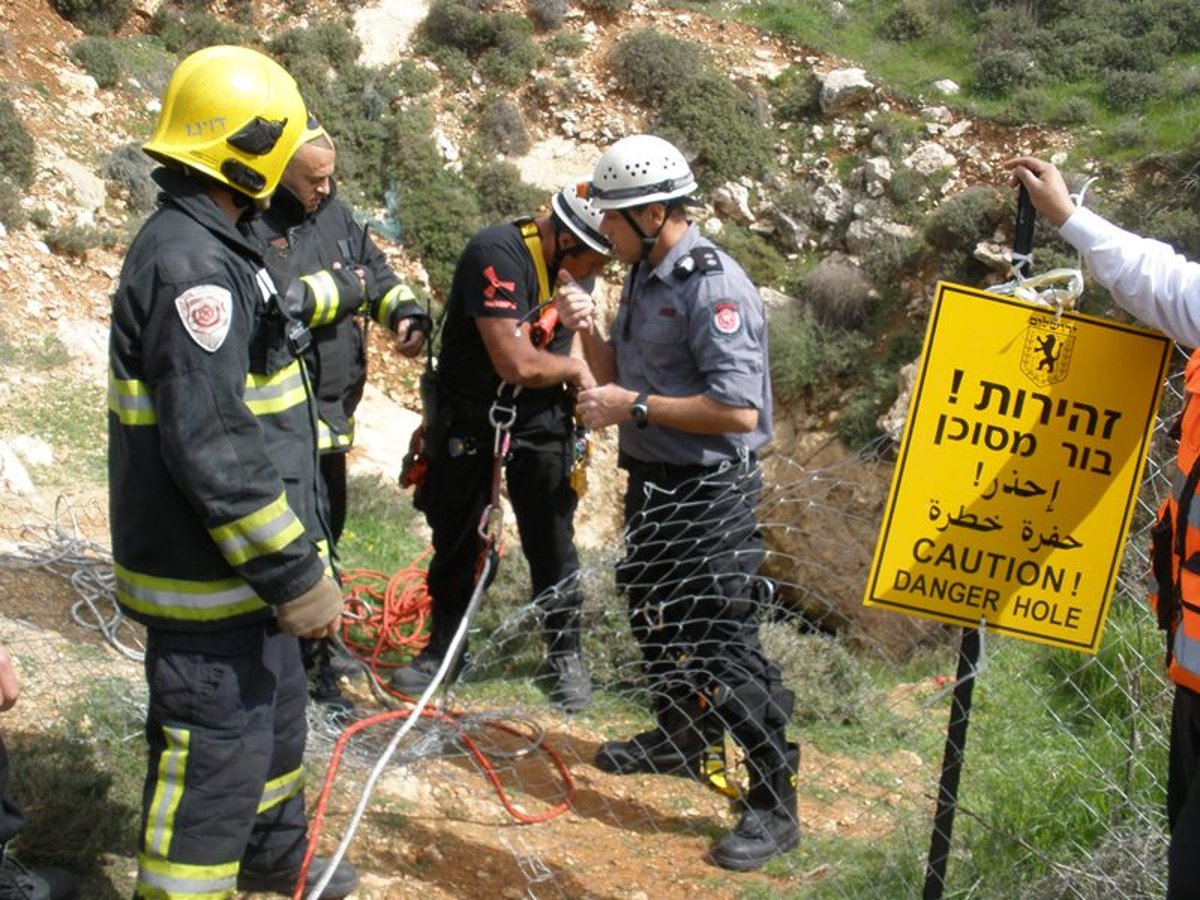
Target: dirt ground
436 825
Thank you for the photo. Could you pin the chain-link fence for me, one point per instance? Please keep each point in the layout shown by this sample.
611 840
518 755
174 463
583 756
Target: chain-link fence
494 793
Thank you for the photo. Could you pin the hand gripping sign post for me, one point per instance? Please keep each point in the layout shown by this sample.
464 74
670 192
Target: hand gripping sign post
1015 485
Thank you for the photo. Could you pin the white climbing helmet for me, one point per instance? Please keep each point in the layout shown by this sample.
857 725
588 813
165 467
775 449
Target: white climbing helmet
640 169
579 214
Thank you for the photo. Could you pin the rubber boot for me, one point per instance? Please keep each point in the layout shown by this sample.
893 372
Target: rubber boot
20 883
769 825
571 684
418 674
678 746
324 683
343 882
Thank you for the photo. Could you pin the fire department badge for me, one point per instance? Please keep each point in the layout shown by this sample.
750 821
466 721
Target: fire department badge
206 311
727 318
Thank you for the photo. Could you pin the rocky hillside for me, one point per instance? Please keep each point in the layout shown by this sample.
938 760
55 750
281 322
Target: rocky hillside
857 170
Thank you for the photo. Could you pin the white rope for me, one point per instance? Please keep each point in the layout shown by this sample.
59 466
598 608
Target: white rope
87 565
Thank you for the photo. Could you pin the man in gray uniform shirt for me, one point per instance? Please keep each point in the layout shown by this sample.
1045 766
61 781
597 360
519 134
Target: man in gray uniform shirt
684 375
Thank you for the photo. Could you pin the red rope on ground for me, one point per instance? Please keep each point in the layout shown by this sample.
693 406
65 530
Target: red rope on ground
396 615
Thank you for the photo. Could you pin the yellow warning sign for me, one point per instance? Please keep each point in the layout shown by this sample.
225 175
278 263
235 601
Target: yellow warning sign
1019 468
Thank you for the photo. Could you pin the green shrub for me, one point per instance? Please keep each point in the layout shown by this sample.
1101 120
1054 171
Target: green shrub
94 16
501 127
1125 90
828 681
1177 225
185 32
145 59
439 218
896 130
129 168
838 292
459 24
437 210
500 43
965 218
356 107
76 240
17 160
309 53
999 71
414 80
548 15
804 353
86 761
908 20
907 187
510 68
11 213
763 263
501 193
795 94
566 44
609 8
454 66
649 64
721 124
858 422
98 57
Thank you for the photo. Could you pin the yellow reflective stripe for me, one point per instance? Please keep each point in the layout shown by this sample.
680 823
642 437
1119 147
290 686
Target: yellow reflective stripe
266 395
159 879
325 297
130 400
282 788
267 530
168 791
193 601
533 243
328 439
325 556
401 293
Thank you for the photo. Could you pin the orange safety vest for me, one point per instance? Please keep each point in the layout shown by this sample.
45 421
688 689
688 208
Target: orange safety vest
1175 594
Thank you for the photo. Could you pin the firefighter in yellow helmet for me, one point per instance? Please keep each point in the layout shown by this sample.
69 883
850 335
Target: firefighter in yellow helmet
216 535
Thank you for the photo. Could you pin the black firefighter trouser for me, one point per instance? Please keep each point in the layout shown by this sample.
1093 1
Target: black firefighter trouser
1183 797
224 783
453 497
693 549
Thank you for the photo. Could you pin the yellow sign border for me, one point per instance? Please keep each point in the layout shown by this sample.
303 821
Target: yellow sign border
929 353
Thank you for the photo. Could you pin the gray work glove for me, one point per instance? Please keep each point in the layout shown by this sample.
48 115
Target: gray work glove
313 612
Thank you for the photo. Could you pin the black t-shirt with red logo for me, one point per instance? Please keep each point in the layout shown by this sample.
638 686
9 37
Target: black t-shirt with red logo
496 278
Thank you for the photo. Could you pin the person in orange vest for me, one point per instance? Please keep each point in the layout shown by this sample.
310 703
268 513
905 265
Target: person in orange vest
1162 288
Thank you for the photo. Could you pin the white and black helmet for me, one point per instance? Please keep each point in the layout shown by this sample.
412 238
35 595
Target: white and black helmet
572 207
640 169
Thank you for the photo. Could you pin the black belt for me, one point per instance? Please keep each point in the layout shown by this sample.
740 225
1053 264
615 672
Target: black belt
663 471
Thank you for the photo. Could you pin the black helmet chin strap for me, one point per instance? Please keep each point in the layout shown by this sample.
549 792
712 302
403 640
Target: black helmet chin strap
648 241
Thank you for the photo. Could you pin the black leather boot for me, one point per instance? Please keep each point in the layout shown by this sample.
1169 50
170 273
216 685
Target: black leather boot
769 825
417 675
324 682
677 746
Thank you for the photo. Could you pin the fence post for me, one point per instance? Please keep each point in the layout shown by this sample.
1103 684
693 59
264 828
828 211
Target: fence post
952 759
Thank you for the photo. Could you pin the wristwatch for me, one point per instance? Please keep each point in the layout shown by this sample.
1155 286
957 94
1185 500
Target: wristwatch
640 411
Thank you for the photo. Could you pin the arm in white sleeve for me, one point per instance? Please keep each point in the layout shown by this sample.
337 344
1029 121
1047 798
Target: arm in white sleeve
1146 277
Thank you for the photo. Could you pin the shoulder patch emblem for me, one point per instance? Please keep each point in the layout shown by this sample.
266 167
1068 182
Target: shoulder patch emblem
206 311
727 317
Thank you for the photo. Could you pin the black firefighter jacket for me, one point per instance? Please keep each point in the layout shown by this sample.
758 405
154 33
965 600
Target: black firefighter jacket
213 493
306 247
